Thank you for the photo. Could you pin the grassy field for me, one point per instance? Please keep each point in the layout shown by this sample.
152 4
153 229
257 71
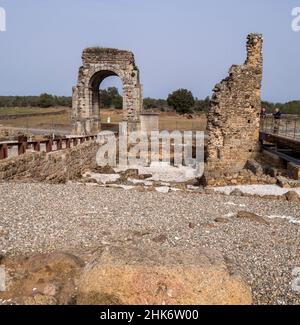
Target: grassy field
52 119
173 121
28 110
167 121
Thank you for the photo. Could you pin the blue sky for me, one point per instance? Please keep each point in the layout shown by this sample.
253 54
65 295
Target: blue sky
177 43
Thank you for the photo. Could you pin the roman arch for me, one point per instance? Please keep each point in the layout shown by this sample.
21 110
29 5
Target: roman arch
98 64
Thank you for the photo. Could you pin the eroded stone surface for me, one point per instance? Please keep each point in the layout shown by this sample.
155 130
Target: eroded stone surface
125 275
234 115
161 276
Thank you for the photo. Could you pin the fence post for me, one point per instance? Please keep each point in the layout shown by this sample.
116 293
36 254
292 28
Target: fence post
37 146
3 151
49 146
22 144
68 143
59 144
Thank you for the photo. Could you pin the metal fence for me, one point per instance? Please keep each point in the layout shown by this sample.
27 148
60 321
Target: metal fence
288 127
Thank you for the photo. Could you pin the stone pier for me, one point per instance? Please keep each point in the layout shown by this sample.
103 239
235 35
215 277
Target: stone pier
234 115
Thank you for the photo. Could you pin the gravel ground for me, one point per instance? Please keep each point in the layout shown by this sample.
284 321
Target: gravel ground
257 189
41 218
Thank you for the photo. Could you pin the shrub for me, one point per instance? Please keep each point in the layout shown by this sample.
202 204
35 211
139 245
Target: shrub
182 100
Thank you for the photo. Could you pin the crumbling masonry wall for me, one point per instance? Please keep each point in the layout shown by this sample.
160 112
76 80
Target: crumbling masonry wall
54 167
98 64
234 115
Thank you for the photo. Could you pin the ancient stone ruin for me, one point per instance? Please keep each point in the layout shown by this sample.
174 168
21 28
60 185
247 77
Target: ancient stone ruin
233 153
234 115
98 64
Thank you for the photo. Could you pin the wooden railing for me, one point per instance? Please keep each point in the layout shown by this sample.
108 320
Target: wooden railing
21 146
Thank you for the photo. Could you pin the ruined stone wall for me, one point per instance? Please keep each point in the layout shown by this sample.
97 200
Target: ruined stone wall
234 115
52 167
98 64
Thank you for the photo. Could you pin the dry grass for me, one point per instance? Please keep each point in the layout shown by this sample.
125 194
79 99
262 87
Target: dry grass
28 110
173 121
48 121
167 121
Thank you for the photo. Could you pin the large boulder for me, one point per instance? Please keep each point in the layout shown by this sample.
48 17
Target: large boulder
155 276
292 196
255 167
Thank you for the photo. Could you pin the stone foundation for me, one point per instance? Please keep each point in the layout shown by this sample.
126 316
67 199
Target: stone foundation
244 177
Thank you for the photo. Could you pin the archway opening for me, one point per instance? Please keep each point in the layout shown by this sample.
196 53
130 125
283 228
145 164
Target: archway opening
106 97
111 100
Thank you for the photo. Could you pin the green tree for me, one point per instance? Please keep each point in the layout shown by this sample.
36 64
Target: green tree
112 92
46 100
110 97
182 100
152 103
202 105
20 101
117 102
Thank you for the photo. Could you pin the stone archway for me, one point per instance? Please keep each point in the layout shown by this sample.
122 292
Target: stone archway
98 64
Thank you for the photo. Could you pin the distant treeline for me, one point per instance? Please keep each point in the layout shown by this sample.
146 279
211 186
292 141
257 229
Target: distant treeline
199 105
292 107
44 100
110 98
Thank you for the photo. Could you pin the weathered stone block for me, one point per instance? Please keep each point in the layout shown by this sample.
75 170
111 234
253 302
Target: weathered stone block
294 171
255 167
155 276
